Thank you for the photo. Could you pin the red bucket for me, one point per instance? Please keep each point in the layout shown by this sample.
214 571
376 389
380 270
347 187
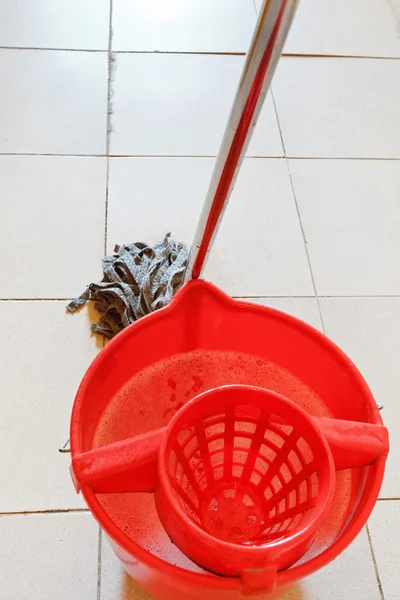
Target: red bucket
307 368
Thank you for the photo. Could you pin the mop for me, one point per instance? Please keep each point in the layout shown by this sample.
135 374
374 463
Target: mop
139 278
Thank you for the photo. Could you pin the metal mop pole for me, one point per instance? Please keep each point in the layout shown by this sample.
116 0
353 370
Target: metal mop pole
265 49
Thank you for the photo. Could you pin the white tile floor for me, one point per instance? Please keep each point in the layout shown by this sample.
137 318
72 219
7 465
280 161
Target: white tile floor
110 119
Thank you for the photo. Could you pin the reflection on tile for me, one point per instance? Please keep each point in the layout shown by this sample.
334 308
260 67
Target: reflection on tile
178 105
55 24
180 26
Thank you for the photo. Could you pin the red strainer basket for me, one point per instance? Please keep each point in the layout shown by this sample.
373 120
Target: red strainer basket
245 478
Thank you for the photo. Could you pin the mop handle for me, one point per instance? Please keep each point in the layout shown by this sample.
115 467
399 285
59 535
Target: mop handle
265 49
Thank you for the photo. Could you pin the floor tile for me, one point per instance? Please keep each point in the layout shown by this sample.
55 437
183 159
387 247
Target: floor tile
326 27
53 225
180 26
56 102
259 249
148 197
351 575
178 105
368 330
339 108
384 527
115 582
48 557
305 309
43 357
55 24
350 212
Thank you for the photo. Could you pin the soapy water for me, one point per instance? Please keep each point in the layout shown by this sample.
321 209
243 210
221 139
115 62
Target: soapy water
150 399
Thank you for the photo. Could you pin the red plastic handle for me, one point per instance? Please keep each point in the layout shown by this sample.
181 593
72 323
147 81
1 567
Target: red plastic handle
354 444
126 466
130 465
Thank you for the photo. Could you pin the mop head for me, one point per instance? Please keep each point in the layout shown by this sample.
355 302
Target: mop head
137 280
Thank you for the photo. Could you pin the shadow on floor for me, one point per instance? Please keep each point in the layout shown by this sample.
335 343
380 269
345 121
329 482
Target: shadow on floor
131 591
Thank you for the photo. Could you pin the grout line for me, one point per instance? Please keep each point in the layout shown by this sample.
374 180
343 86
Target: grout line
180 53
171 156
320 312
305 246
378 579
45 49
298 215
36 299
361 296
44 512
357 158
388 499
199 52
279 123
111 60
109 81
168 156
344 56
272 297
257 157
106 209
52 154
99 565
292 296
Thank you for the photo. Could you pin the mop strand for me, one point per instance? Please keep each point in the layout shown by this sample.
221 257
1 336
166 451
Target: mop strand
137 280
